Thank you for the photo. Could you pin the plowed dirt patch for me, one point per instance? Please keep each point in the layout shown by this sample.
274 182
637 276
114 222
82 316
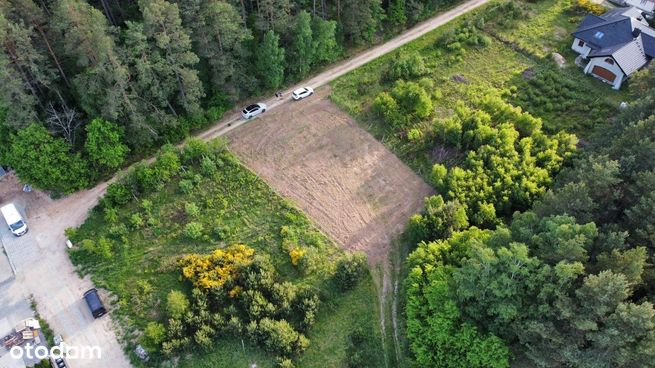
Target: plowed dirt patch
356 190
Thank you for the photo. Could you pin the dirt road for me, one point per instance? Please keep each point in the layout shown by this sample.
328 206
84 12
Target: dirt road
234 120
44 271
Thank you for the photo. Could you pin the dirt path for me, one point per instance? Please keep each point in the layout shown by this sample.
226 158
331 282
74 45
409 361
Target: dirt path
234 120
45 272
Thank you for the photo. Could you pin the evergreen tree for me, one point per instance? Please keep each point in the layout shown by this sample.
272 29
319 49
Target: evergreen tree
324 44
269 62
302 46
170 45
273 15
396 13
361 20
24 75
36 18
100 80
219 39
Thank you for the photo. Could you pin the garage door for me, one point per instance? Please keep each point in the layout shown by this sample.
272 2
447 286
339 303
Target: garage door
604 73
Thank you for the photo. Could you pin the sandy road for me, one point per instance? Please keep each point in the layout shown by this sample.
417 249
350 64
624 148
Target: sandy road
45 270
234 120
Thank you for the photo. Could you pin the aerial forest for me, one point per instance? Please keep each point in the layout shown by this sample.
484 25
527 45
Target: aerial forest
89 86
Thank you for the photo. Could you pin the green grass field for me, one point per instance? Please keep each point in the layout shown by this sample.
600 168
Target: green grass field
235 206
516 64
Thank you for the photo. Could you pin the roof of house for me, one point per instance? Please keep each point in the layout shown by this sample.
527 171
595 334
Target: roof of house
629 56
620 33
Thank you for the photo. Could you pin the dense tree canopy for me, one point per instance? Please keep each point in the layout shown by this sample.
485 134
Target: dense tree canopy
45 161
535 285
161 68
567 283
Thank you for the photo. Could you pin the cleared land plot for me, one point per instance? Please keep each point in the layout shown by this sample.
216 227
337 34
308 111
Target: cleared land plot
354 188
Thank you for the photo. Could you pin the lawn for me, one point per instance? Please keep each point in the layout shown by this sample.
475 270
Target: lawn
228 205
513 60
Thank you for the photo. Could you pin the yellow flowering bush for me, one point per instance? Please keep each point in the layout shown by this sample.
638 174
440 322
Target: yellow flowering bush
217 268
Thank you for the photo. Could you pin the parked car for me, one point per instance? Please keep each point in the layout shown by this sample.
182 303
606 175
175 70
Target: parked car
301 93
95 304
14 220
253 110
619 2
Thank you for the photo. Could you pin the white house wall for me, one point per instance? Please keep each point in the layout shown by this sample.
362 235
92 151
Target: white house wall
600 61
584 50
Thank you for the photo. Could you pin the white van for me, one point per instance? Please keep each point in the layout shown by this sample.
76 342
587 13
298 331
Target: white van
14 220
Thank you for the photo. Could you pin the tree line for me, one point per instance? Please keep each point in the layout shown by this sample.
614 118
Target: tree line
153 70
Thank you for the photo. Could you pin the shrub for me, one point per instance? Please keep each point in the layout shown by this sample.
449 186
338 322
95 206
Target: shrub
387 108
117 194
71 233
280 337
154 334
412 99
306 306
350 271
194 149
101 248
296 254
111 215
408 66
217 268
204 337
136 221
284 363
186 186
191 209
193 230
167 164
207 167
176 304
589 6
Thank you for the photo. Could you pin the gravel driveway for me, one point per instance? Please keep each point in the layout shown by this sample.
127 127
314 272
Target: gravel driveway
45 271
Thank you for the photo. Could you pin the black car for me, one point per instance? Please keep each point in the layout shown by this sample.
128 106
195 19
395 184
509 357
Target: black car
95 304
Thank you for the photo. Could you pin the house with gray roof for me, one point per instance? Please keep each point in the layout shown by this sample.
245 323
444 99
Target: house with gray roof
615 44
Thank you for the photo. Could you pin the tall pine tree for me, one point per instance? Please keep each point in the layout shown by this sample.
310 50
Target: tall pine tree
170 45
219 39
269 62
302 46
100 80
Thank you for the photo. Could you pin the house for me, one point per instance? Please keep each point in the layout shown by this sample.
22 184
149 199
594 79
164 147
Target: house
645 5
615 44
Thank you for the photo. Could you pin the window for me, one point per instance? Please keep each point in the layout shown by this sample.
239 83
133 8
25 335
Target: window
599 35
580 43
610 61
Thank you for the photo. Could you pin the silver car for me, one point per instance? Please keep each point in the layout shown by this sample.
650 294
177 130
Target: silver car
253 110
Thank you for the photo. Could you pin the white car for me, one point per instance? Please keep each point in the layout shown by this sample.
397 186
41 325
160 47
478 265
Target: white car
253 110
14 220
301 93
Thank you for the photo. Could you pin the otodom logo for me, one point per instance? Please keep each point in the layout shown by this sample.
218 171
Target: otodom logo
71 352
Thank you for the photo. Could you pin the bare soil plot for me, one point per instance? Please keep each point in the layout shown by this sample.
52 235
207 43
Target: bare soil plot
357 191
